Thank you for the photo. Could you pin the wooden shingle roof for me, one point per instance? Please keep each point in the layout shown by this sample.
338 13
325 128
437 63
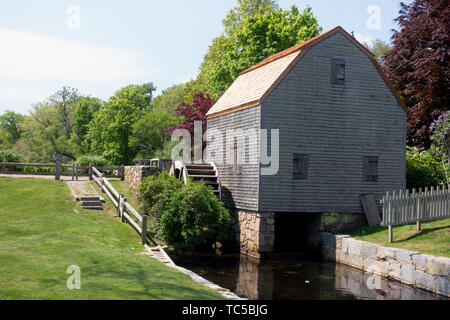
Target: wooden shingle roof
253 85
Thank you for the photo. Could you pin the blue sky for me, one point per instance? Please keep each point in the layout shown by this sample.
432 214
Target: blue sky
116 43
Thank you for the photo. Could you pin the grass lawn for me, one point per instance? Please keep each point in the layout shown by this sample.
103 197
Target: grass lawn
433 239
41 235
128 192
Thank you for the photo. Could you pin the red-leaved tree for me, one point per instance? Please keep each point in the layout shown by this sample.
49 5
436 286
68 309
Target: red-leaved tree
196 111
418 65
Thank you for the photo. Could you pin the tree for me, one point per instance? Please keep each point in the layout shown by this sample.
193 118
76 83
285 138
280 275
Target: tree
253 33
65 101
149 135
10 124
85 110
43 135
441 141
418 65
196 111
169 99
379 48
111 128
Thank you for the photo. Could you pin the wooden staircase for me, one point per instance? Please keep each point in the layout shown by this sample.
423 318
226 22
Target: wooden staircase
206 172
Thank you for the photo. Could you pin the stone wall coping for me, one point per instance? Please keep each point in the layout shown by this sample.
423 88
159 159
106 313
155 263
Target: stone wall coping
428 272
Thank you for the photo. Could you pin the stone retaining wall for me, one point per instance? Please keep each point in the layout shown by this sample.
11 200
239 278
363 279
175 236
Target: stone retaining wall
420 270
135 174
255 232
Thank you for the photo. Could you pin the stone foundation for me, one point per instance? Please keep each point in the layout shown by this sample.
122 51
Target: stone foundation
420 270
255 232
135 174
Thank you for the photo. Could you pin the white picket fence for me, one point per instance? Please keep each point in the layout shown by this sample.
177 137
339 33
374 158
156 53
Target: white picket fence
407 207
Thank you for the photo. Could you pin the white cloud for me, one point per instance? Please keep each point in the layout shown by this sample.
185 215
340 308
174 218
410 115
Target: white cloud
364 39
31 56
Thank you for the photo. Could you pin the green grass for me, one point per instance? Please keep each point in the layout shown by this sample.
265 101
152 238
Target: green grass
434 238
41 235
128 192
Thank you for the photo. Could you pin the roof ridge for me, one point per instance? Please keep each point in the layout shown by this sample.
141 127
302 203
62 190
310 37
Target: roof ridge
297 47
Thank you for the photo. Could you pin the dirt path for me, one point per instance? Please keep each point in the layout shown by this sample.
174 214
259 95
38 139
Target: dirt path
82 188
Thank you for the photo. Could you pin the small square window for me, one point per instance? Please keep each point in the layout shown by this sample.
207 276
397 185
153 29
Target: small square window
338 71
370 169
301 165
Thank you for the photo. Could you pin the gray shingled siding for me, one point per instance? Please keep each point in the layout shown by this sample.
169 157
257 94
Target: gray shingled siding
238 191
336 125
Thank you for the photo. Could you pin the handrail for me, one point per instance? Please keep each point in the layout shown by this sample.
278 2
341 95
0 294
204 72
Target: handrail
120 202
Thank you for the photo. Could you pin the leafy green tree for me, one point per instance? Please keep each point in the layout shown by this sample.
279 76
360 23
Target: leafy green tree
65 101
149 135
379 48
441 141
423 169
10 125
169 99
253 30
111 128
43 134
84 113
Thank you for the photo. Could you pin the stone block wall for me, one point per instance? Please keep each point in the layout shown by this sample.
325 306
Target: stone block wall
135 174
420 270
255 232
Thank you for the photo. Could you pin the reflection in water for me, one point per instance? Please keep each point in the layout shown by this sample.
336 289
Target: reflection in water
298 280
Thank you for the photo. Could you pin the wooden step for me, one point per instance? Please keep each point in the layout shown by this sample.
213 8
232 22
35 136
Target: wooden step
199 166
91 203
201 172
93 208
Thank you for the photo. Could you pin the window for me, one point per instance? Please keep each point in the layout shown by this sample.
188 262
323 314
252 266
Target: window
338 71
370 169
301 164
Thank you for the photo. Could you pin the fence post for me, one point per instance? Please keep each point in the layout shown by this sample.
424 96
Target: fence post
76 171
144 230
91 165
391 234
119 207
123 208
73 171
122 172
102 183
57 169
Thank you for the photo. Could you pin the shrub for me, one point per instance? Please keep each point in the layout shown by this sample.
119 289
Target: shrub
85 160
423 169
154 193
194 217
9 156
184 216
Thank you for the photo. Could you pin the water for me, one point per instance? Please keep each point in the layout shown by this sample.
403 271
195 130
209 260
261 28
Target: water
298 280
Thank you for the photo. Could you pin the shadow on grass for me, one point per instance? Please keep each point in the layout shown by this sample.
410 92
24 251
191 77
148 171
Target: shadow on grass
422 233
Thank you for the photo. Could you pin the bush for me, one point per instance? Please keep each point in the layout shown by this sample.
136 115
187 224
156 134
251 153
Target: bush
194 217
423 169
9 156
184 216
99 161
154 193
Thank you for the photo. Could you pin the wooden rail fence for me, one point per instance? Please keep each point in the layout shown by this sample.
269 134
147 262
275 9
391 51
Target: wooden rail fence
407 207
124 210
76 170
